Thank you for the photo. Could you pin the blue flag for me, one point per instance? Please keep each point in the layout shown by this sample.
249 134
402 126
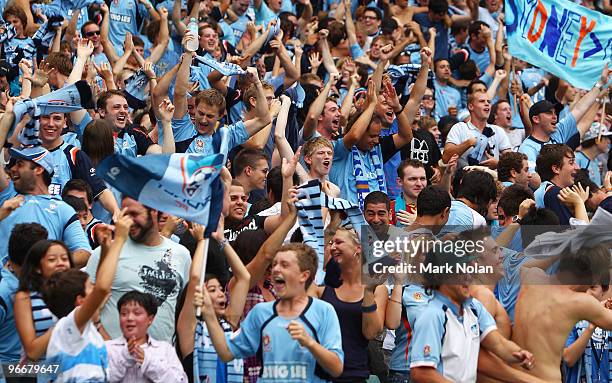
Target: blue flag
568 40
184 185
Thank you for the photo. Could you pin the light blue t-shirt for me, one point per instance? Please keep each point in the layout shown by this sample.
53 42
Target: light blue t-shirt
446 96
414 301
185 132
449 341
482 59
507 289
591 166
124 17
566 128
283 359
51 212
462 218
343 171
264 15
10 344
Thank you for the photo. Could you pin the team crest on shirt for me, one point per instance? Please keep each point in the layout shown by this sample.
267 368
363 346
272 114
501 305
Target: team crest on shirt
474 329
418 296
426 350
199 144
267 345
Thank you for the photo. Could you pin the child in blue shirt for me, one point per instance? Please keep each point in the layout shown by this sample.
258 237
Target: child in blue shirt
295 335
76 347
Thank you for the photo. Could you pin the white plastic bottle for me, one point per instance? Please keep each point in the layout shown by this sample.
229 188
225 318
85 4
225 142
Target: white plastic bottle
192 27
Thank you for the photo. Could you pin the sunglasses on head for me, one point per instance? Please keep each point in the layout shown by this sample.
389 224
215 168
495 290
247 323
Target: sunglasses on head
91 34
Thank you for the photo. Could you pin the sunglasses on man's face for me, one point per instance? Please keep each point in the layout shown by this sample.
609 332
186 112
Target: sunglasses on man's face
91 34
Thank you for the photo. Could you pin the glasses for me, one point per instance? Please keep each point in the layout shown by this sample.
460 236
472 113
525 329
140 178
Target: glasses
91 34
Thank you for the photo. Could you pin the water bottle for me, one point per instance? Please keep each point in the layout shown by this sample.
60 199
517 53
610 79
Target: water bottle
192 27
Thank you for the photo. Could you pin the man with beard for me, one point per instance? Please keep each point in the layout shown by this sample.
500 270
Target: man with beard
294 335
31 172
476 142
149 263
546 129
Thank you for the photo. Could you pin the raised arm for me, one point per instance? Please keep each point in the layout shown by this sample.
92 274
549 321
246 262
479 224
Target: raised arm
291 72
186 325
280 140
106 268
373 322
316 108
182 80
262 113
109 50
166 111
361 125
328 60
350 24
240 286
289 193
158 50
588 99
406 117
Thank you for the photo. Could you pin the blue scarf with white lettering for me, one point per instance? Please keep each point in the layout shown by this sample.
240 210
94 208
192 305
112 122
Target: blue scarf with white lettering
362 177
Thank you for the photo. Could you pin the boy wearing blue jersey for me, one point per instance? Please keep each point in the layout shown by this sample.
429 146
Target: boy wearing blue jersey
295 335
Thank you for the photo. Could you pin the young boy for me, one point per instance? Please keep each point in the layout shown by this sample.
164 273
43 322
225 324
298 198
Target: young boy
295 335
75 346
136 356
88 222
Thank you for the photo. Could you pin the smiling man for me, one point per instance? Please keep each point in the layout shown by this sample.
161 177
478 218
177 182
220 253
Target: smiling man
547 129
294 335
70 162
476 141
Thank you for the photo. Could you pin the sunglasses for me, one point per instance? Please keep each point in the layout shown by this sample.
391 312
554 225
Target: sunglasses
91 34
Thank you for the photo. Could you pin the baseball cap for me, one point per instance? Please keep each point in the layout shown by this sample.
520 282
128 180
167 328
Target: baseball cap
540 107
36 154
593 132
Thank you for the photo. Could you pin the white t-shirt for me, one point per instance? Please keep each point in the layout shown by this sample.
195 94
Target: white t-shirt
463 131
162 271
80 357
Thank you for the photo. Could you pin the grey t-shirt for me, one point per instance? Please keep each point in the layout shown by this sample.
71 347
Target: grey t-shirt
162 271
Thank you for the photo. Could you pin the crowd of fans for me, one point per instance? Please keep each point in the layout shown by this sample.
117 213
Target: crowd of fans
413 112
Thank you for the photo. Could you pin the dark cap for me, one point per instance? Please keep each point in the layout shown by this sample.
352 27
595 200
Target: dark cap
540 107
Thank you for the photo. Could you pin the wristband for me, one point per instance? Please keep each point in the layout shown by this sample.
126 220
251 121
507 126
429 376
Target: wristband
369 309
223 243
393 300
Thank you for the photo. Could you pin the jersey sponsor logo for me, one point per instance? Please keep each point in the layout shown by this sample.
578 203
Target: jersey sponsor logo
55 189
287 371
121 18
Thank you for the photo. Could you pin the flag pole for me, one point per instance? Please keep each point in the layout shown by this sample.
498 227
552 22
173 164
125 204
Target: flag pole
513 70
603 119
203 271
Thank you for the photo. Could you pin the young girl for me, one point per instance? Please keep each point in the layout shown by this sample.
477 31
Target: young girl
32 317
194 343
